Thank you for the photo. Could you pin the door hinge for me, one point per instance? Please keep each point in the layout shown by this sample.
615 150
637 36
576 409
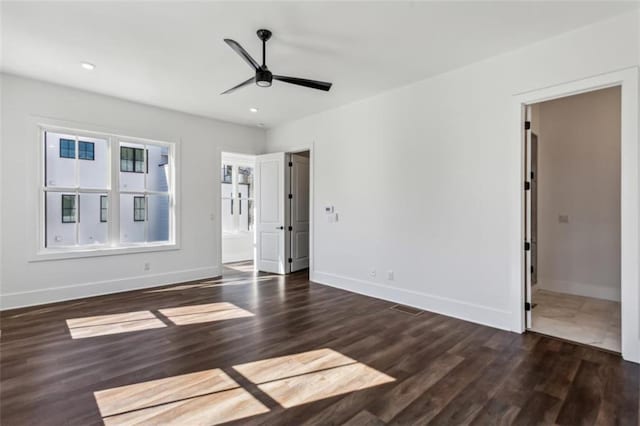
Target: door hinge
290 163
291 228
527 186
527 246
527 125
290 196
532 269
533 176
527 306
290 260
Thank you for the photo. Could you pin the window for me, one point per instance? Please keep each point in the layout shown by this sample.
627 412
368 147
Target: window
68 208
132 160
67 148
227 170
86 150
79 197
104 200
139 209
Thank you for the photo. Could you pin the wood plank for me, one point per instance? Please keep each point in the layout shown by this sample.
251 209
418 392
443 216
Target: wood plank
444 370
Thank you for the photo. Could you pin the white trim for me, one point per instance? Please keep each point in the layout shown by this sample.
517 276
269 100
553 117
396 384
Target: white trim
236 159
87 251
441 305
97 288
630 198
312 231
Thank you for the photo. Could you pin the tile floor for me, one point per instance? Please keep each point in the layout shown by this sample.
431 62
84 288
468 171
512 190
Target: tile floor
594 322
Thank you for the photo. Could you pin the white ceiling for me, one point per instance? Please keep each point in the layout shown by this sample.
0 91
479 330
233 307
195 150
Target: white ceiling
171 54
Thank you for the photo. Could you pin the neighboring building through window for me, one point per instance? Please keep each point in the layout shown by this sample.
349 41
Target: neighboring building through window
104 200
132 160
67 148
75 188
86 150
68 208
139 209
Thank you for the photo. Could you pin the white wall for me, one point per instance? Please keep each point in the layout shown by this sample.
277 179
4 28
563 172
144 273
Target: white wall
432 196
579 177
200 141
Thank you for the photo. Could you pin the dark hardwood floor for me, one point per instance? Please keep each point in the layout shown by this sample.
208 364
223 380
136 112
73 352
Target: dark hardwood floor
405 368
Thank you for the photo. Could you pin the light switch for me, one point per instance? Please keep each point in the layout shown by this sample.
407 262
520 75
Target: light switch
563 218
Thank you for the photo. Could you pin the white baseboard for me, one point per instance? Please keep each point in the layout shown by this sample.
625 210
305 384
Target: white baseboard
580 289
453 308
97 288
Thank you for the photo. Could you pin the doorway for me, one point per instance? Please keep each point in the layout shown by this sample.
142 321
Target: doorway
283 212
237 212
573 217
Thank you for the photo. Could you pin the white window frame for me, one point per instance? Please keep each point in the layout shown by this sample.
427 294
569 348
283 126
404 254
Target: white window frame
113 192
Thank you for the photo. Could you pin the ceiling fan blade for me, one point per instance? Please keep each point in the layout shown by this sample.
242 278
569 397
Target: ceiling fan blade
314 84
244 83
243 53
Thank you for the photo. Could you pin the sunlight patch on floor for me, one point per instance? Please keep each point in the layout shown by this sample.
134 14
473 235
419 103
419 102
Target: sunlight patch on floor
213 397
309 376
102 325
209 312
205 397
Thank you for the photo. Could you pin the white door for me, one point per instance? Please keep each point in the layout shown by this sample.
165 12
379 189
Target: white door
271 215
299 204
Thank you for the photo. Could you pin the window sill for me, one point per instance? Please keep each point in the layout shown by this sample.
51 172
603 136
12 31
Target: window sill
67 253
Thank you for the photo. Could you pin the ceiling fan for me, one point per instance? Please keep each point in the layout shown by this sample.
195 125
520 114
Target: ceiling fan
264 77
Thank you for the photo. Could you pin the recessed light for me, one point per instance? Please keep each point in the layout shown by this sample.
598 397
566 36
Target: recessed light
253 109
87 66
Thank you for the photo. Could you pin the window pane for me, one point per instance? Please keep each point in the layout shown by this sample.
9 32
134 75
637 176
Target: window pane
68 208
93 170
85 150
91 229
60 170
67 148
139 209
104 208
131 179
226 173
245 177
130 230
158 213
59 233
158 161
138 158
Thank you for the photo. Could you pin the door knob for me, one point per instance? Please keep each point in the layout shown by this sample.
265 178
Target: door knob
280 227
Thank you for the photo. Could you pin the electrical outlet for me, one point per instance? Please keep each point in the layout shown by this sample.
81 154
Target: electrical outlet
390 275
563 218
372 273
147 266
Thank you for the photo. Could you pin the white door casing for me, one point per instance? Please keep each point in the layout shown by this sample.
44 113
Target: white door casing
271 215
299 205
527 230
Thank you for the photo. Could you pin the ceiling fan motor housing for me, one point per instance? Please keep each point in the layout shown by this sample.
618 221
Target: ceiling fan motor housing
263 77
